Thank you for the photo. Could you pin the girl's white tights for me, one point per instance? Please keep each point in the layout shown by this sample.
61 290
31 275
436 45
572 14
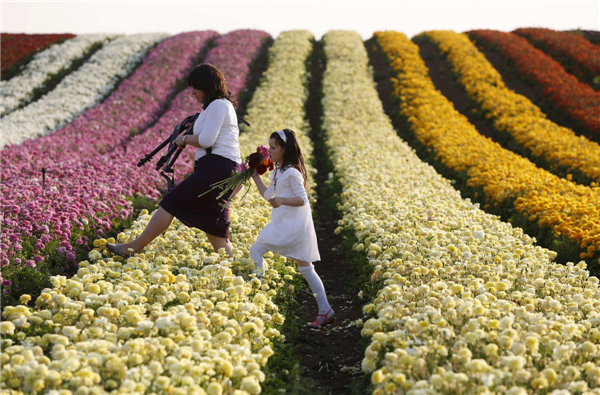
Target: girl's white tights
308 272
316 286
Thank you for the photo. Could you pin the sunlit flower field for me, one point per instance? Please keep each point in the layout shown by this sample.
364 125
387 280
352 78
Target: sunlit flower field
458 299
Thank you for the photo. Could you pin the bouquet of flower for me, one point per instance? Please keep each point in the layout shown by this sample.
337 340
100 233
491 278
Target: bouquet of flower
259 161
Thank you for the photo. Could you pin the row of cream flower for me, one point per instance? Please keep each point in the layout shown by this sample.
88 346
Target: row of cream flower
513 113
78 91
468 303
19 90
279 102
176 318
569 210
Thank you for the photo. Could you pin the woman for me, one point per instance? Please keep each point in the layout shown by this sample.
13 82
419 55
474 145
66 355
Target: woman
217 156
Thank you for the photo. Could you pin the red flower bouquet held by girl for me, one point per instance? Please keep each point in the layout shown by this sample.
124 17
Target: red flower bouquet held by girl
259 161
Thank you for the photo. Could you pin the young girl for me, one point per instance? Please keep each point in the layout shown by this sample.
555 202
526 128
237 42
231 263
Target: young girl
291 232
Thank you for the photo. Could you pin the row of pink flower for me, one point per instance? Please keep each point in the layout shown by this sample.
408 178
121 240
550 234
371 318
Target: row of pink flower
93 188
134 105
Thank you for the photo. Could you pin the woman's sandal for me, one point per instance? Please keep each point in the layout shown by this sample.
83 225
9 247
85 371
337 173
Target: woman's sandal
317 324
112 248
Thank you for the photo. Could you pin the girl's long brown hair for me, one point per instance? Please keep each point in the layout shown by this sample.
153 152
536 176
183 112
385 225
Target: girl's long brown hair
211 81
292 154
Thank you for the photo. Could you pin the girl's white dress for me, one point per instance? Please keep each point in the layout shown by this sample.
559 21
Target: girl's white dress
291 232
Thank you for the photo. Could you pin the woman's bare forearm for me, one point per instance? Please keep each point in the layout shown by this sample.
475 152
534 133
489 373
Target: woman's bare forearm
188 139
193 141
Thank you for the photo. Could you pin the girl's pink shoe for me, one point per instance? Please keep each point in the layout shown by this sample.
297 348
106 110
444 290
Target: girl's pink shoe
329 318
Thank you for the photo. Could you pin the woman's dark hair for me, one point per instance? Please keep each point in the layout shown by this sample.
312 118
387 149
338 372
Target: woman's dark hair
211 81
292 154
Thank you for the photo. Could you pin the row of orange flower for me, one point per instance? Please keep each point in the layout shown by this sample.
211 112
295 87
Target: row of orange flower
579 56
513 113
576 99
570 210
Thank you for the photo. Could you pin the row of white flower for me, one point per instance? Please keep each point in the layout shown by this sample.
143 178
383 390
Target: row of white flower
468 303
46 64
83 89
177 318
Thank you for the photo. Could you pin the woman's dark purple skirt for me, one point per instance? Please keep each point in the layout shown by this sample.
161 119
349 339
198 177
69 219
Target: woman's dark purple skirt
203 212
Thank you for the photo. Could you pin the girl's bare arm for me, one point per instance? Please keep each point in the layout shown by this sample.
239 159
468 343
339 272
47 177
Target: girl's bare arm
259 183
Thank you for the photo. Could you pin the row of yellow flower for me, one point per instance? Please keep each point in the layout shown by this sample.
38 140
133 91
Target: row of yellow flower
178 318
570 210
513 113
468 303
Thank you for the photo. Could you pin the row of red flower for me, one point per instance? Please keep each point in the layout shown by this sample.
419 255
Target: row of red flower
579 56
17 47
90 190
576 99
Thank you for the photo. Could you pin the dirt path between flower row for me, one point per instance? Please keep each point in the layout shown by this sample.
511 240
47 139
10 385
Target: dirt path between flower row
331 356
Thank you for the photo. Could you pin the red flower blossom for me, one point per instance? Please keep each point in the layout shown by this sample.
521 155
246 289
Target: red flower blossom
262 169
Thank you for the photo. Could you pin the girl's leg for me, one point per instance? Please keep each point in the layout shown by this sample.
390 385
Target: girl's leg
256 253
316 286
220 242
159 222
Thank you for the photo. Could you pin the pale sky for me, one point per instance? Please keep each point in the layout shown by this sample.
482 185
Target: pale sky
365 17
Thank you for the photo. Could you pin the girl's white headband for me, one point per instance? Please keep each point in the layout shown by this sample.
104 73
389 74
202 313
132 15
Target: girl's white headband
282 135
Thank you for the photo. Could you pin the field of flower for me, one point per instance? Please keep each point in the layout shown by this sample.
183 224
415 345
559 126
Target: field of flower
468 304
515 114
457 298
79 91
562 209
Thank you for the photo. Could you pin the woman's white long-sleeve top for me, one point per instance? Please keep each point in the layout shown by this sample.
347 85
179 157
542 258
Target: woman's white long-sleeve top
217 127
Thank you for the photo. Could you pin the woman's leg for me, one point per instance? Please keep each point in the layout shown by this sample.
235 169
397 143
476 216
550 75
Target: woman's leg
316 286
159 222
220 242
